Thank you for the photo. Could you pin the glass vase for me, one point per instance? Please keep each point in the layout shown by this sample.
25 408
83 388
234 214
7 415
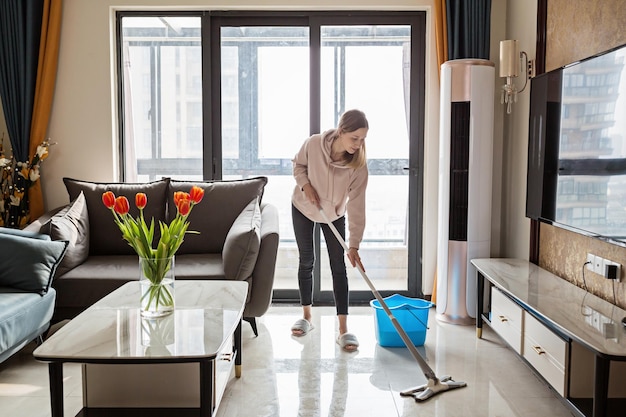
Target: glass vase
156 280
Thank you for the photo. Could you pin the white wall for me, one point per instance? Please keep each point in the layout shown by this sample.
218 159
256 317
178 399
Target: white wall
498 33
521 21
83 115
83 112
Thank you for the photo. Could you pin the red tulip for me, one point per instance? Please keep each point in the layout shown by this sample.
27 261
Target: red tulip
108 199
196 193
184 206
180 195
141 200
121 205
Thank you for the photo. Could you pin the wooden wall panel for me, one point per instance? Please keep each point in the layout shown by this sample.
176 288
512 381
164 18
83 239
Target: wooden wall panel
577 29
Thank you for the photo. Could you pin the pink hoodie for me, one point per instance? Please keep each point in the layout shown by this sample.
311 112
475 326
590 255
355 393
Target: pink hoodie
340 188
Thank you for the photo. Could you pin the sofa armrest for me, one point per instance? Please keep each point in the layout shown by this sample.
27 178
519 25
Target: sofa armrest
35 225
262 280
241 246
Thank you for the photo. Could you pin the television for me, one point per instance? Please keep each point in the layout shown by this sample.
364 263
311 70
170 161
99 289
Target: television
576 175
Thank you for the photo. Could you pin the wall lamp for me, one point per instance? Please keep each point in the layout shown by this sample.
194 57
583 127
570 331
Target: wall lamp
511 61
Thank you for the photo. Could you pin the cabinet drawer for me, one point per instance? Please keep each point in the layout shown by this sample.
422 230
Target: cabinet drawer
224 363
546 352
506 319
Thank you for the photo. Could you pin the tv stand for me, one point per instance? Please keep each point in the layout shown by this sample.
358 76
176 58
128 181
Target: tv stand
570 337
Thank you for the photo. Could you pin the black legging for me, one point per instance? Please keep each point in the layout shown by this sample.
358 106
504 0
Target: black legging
303 229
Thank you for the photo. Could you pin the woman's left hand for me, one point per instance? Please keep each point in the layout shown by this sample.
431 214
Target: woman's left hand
354 258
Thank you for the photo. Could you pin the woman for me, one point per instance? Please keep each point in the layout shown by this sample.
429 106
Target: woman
331 174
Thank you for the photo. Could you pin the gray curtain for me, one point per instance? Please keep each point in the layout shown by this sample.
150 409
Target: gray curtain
469 23
20 32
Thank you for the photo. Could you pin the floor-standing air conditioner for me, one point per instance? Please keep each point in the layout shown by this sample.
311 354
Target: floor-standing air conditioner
465 169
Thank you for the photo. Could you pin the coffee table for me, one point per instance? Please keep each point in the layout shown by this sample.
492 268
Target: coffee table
135 366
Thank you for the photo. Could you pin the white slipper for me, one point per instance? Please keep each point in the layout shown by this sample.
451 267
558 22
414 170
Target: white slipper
301 328
348 342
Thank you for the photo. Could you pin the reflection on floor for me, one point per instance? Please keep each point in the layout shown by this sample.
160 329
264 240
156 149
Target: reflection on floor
311 376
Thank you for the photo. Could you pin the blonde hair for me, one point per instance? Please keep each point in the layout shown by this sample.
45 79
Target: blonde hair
350 121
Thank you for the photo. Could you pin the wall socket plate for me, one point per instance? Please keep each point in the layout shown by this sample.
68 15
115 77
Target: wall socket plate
598 265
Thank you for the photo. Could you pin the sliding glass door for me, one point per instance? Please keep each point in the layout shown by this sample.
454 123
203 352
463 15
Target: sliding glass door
368 67
284 79
270 80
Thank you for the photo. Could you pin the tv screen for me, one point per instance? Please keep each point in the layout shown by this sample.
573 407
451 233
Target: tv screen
577 146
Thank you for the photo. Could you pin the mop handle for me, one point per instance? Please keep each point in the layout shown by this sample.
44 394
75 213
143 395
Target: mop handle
428 372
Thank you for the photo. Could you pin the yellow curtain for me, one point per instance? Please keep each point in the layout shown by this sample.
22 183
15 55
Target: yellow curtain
441 37
441 32
46 79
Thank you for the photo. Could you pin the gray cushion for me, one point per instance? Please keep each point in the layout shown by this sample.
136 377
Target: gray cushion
24 233
29 264
71 224
213 217
241 247
104 235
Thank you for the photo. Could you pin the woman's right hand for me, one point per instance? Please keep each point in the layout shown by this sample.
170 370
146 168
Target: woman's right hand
311 195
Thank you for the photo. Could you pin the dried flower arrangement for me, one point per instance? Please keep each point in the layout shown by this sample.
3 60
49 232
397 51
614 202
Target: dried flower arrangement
15 180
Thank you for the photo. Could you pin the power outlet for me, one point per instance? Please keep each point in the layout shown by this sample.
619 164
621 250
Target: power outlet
530 69
598 265
591 260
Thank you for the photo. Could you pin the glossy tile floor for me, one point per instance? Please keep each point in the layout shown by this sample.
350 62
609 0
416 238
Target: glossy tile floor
311 377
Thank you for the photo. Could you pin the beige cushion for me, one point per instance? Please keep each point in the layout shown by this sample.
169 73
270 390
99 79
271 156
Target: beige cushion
71 224
241 247
213 217
105 237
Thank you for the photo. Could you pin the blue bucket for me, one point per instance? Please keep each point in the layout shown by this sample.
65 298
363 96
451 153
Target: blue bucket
412 315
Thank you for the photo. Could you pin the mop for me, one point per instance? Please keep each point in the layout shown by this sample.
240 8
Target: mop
434 385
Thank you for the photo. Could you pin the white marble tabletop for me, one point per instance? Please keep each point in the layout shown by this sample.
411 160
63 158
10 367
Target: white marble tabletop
206 314
577 313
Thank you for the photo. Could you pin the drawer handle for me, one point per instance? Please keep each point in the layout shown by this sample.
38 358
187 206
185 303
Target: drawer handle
227 357
539 350
503 318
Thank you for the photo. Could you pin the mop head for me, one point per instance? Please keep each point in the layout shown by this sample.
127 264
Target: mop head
433 387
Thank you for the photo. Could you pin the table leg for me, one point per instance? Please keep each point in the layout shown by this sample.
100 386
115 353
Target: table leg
55 373
206 388
601 386
480 303
238 350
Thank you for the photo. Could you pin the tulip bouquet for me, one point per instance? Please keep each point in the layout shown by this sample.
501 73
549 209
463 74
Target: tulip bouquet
155 263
